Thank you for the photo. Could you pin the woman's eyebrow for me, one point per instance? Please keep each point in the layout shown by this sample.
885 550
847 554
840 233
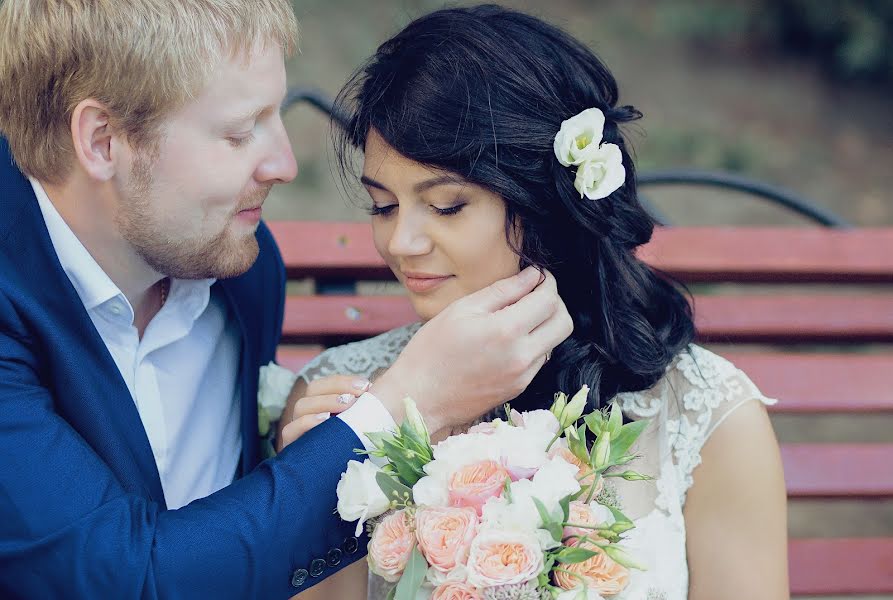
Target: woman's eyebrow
421 186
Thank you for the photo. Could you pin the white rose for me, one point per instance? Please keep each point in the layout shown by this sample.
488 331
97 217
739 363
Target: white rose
538 420
359 497
580 594
431 490
555 480
521 450
601 174
579 137
274 385
456 451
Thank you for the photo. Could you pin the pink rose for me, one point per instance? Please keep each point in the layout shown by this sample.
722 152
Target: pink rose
599 572
474 484
390 547
456 591
580 513
504 558
445 535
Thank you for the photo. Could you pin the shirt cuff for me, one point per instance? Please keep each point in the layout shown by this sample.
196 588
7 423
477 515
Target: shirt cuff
368 414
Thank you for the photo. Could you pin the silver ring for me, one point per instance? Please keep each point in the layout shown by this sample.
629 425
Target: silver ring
548 355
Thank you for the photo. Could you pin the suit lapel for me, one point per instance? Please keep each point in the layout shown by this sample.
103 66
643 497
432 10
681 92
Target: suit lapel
238 296
87 386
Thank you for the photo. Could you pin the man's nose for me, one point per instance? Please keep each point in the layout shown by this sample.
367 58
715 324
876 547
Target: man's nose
279 166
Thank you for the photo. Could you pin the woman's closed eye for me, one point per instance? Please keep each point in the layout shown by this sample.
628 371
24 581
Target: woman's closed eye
388 209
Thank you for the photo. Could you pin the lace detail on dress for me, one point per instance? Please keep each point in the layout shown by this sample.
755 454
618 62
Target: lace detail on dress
364 358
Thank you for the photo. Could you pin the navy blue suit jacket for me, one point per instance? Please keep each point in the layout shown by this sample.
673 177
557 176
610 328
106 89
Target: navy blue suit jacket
82 511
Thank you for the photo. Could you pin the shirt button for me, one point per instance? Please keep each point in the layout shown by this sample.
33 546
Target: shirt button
351 545
116 309
317 567
333 557
299 577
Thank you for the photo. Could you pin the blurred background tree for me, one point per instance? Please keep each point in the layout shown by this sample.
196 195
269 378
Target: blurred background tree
792 92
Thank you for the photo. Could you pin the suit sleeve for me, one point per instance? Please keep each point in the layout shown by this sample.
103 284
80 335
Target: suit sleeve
68 529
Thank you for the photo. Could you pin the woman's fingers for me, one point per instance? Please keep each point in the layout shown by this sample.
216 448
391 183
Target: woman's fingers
330 403
337 384
299 427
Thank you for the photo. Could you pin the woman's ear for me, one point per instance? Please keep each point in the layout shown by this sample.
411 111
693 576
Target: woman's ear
92 137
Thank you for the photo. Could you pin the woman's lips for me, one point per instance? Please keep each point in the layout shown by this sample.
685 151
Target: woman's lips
423 283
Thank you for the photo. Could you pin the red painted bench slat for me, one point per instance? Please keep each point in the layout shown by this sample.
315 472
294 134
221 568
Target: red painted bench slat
806 383
841 566
692 253
719 318
838 470
811 383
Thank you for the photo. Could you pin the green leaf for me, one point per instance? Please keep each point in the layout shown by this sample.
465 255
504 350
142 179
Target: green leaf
565 504
615 422
620 555
549 523
558 405
413 576
393 489
628 435
601 450
619 517
570 555
595 421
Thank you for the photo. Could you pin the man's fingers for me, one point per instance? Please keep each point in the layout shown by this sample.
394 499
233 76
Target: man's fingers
532 310
552 332
330 403
337 384
504 292
299 427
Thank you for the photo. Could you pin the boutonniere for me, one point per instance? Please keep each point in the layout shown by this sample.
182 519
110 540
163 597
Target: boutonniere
273 387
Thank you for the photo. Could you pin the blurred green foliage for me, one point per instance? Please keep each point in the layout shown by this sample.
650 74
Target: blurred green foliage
851 40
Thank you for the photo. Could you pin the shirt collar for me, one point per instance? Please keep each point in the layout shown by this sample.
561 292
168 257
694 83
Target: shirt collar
92 284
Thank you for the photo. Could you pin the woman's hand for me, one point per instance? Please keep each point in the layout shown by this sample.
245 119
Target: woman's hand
310 405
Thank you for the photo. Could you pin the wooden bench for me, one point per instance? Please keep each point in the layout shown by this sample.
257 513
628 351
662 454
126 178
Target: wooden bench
821 349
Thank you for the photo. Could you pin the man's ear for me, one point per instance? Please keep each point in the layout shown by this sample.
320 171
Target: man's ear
92 137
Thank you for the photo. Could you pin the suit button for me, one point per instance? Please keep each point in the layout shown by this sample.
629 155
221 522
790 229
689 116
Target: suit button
351 545
333 557
317 567
299 577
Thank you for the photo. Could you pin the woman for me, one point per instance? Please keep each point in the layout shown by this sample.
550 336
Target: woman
484 152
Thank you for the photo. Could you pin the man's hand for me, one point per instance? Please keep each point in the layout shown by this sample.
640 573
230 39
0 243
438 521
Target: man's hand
310 405
479 352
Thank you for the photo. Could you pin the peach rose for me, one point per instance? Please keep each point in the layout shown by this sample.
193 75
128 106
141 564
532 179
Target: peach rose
580 513
456 591
599 572
391 545
445 535
474 484
504 558
584 471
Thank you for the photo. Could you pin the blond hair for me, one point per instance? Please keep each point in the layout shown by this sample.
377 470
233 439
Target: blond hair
141 58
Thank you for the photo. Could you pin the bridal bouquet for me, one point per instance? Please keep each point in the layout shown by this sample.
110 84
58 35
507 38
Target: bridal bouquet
509 510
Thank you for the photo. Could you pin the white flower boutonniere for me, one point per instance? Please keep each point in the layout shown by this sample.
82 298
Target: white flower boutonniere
274 385
578 143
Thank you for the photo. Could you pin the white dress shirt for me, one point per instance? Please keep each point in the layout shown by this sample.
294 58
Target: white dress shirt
182 375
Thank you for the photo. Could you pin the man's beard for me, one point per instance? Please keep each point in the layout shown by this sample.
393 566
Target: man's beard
218 256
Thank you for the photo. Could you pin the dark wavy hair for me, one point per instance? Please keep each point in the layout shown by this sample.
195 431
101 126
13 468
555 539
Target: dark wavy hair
481 92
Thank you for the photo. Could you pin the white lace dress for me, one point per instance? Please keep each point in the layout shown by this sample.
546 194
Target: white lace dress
699 390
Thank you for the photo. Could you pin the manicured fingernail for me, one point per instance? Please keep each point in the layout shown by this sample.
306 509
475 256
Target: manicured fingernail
323 416
346 398
362 385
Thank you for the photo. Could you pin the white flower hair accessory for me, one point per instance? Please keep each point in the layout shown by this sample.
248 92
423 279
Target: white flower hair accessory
600 169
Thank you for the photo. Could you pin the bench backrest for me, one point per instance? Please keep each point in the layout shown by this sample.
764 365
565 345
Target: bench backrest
734 274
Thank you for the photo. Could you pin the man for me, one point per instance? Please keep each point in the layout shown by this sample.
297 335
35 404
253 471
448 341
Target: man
140 294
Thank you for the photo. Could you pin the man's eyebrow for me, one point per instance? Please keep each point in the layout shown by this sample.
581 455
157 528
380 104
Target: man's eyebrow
421 186
245 117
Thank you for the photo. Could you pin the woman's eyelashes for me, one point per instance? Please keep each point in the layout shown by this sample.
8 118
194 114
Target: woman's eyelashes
388 209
